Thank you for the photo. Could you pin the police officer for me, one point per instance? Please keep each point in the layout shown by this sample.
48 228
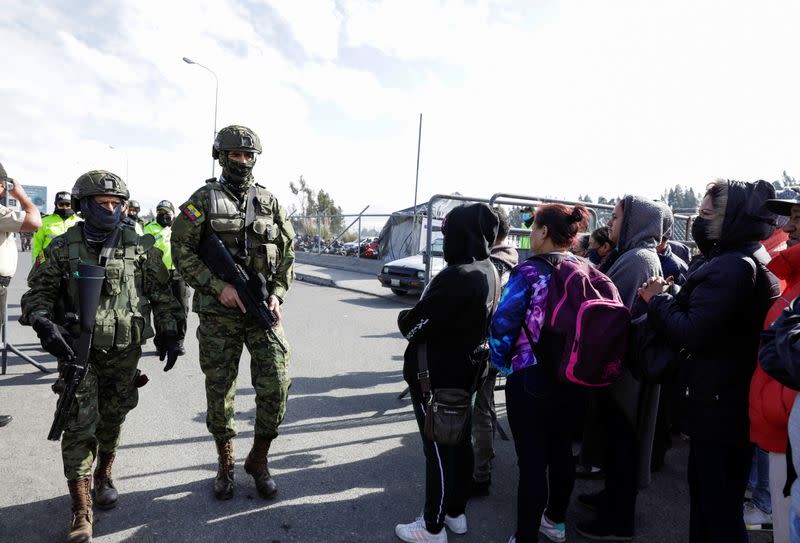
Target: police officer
254 228
132 210
161 229
54 225
134 272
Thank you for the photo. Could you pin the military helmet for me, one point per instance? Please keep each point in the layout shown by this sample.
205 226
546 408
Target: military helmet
97 183
134 204
235 138
165 204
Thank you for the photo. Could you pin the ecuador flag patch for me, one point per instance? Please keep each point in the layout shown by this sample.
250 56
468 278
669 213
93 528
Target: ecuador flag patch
39 261
192 213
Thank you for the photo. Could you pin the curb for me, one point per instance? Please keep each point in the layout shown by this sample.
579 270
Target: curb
308 278
326 282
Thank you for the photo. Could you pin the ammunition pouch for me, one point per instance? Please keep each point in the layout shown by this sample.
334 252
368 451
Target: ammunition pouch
264 258
117 330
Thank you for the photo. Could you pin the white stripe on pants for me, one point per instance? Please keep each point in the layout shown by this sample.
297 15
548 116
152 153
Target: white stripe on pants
780 504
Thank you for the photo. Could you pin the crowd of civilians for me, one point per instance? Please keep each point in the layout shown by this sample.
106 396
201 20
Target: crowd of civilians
715 306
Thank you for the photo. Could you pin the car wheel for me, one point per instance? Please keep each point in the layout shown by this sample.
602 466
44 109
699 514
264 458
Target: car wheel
399 292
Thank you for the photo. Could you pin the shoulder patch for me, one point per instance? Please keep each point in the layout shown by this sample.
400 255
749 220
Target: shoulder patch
191 212
40 258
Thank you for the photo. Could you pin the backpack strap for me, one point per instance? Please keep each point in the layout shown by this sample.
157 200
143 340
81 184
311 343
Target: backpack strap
74 241
423 376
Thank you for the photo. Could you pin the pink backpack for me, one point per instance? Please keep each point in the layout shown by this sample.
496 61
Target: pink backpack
586 324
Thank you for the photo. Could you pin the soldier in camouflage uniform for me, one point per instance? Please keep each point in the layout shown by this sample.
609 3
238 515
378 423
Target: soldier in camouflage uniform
134 272
254 228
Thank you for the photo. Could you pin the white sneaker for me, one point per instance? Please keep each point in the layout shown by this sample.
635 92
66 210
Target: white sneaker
553 532
457 525
756 519
416 532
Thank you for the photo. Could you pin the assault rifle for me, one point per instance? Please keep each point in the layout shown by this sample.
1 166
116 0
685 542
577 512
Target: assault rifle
251 288
90 283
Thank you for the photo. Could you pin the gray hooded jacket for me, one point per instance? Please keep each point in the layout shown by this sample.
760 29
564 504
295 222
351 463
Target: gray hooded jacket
642 222
641 231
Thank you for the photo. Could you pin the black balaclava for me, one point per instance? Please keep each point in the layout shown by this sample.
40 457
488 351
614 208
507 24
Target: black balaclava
99 222
236 176
164 219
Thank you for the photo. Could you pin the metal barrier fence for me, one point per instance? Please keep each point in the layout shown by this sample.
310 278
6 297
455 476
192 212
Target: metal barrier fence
320 224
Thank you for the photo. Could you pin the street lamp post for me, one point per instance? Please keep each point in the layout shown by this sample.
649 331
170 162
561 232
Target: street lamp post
127 162
187 60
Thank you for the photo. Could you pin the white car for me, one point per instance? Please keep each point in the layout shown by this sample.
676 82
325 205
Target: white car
407 275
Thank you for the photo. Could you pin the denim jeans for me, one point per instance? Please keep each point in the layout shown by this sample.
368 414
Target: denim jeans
794 525
759 480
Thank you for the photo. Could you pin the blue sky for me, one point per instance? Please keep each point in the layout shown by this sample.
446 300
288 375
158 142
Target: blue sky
536 97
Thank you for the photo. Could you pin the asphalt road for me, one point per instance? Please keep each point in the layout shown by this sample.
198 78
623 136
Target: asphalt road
348 463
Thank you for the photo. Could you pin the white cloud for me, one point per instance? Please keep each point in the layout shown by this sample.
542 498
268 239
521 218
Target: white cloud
556 98
314 23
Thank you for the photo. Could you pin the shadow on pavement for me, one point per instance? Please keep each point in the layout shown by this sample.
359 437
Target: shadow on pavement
377 302
316 503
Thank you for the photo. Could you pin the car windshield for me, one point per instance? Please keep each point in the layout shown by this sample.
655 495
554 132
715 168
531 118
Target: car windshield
437 247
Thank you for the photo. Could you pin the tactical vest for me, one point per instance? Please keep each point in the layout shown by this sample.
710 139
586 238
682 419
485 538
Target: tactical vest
257 243
119 323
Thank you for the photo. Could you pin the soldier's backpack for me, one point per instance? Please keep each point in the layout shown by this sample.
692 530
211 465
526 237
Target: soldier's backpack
585 332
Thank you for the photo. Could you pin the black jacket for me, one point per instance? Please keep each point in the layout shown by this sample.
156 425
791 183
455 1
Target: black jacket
452 317
717 316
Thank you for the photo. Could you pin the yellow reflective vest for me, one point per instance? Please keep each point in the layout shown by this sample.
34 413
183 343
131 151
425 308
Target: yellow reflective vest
52 227
162 235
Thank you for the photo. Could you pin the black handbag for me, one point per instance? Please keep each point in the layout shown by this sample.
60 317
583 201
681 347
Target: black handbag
651 358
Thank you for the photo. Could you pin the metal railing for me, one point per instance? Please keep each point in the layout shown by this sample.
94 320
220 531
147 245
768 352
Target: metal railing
599 215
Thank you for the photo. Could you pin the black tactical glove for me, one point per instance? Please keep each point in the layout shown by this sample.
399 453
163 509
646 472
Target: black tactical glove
55 339
168 346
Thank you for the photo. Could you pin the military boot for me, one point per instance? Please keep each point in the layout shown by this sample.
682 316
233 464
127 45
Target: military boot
256 465
223 484
80 529
105 493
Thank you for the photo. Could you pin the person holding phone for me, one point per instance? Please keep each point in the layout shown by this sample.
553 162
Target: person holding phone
11 221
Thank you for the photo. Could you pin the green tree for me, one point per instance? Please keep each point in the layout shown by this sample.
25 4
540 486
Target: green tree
313 205
327 207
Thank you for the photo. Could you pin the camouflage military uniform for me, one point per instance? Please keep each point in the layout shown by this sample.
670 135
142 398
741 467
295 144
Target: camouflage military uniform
223 330
108 393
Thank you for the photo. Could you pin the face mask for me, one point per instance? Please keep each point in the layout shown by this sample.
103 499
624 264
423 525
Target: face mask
527 218
99 217
65 213
164 219
700 236
593 256
133 214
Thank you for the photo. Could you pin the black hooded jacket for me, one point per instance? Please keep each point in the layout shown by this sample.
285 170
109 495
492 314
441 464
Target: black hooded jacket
452 317
717 316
